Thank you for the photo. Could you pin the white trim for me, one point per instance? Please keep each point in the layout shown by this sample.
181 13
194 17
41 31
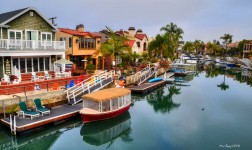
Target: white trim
26 10
42 41
1 33
11 66
12 30
3 64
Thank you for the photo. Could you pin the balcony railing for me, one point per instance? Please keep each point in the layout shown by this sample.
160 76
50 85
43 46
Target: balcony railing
10 44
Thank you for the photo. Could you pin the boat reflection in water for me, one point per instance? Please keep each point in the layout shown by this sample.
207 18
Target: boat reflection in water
101 132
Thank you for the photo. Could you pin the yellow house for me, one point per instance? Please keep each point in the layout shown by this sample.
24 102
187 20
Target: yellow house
81 47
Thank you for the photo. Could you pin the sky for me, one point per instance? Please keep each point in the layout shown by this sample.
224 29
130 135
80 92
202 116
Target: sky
204 20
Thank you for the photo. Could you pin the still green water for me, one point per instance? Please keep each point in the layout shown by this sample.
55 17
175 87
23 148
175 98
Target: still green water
211 110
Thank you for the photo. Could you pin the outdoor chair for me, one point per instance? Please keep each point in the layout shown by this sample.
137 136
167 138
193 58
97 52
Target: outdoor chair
47 75
6 78
27 112
34 77
71 84
80 79
54 87
40 108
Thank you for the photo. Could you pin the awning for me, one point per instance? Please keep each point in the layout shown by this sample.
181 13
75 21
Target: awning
63 61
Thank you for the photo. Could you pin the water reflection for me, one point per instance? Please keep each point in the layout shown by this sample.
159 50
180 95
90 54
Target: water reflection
161 99
238 74
107 131
44 139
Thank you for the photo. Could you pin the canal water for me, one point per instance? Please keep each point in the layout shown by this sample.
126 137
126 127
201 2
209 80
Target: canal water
208 110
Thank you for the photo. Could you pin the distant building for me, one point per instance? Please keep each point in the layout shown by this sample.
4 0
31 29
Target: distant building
247 49
141 40
27 42
81 46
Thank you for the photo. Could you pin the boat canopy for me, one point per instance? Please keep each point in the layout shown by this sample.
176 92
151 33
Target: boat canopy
106 94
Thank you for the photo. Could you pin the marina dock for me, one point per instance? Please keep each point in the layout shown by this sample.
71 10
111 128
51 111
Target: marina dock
146 87
58 113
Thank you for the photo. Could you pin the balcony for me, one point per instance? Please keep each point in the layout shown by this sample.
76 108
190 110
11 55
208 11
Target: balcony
9 44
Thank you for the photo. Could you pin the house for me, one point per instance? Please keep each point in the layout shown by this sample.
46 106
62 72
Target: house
82 47
27 42
138 36
247 49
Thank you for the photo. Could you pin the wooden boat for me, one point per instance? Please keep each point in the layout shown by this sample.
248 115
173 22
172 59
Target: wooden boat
154 80
105 104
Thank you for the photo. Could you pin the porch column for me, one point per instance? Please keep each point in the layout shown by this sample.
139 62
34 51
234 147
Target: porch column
103 60
1 33
85 62
96 63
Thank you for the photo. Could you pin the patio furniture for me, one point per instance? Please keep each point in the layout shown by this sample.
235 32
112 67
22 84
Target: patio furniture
41 108
55 86
68 74
26 112
71 84
34 77
80 79
47 75
6 78
58 74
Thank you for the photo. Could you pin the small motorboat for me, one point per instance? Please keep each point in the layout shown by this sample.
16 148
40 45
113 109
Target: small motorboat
105 104
154 80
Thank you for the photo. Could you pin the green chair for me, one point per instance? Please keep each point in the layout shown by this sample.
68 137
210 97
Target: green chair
40 108
26 112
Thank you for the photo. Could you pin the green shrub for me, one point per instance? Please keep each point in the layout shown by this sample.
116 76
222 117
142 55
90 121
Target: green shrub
90 67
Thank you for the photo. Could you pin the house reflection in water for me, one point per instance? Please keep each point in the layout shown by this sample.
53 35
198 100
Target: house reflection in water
102 132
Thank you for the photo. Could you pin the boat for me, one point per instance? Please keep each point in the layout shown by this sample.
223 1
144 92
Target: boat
105 104
178 71
154 80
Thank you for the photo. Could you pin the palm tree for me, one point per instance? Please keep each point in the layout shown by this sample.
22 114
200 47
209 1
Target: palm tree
172 35
198 45
114 46
188 47
227 38
157 46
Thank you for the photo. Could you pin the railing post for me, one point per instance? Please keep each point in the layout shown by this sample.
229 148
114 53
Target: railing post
47 87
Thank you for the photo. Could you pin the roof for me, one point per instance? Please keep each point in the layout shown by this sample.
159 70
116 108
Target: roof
121 32
130 43
106 94
140 36
7 17
78 33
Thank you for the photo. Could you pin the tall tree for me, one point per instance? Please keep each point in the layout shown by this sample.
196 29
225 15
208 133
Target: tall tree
188 47
173 37
115 45
227 38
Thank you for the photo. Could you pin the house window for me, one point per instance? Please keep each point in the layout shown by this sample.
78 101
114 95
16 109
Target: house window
87 43
15 34
46 39
31 13
41 64
29 64
35 64
22 65
144 46
138 44
70 42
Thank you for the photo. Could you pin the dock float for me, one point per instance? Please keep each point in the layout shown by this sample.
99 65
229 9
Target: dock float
58 113
146 87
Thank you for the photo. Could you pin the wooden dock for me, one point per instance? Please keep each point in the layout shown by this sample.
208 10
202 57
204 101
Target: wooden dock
58 113
146 87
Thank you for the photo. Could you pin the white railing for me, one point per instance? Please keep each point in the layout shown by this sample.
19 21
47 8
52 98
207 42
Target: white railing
11 44
86 85
143 75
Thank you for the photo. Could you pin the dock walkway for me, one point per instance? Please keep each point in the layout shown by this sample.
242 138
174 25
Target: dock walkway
146 87
57 113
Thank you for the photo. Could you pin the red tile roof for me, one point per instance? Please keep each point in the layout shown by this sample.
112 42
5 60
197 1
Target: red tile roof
130 43
140 36
77 33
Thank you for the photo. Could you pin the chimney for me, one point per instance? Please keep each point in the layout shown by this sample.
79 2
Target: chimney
80 28
139 31
131 31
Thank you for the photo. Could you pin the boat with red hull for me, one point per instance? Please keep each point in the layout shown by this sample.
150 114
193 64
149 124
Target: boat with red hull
105 104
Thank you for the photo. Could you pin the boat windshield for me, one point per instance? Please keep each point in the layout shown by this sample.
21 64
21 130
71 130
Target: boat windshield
91 104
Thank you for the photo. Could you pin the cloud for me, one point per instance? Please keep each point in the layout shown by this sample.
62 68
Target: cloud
205 20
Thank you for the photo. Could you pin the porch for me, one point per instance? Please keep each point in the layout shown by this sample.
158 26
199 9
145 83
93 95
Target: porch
27 87
15 44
